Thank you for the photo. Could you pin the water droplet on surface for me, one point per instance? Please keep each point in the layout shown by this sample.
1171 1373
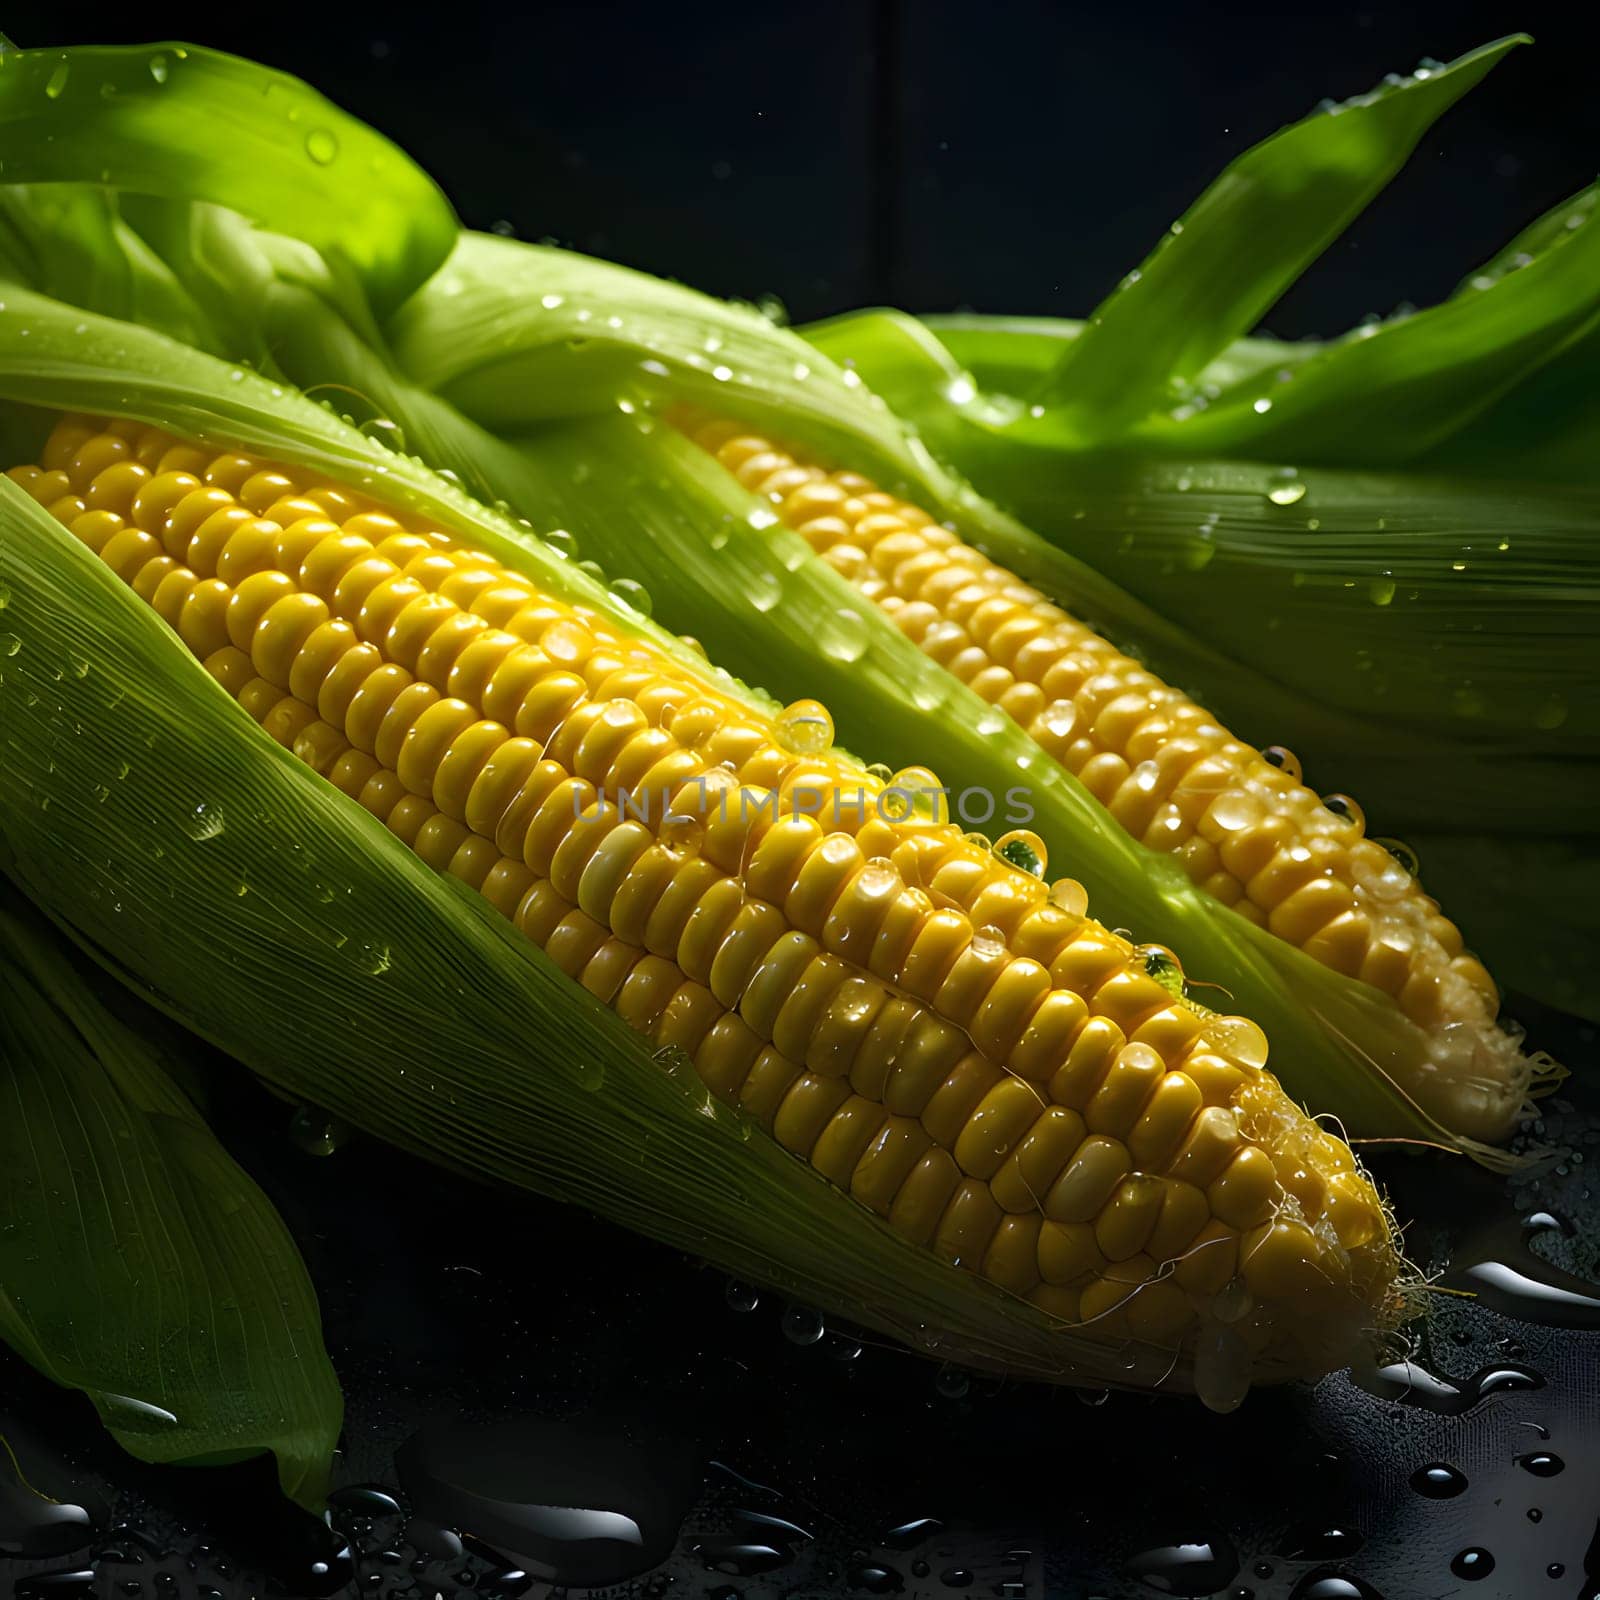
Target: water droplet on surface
765 591
317 1133
872 1578
1221 1375
79 1584
571 1502
956 1577
33 1526
10 644
805 727
1239 1038
1233 1301
158 68
1236 810
1067 894
322 145
1325 1585
633 593
57 81
1023 850
1287 489
204 822
1439 1481
371 957
1542 1464
802 1325
1341 805
952 1382
843 636
1473 1564
1284 759
1197 1567
741 1296
389 434
908 1535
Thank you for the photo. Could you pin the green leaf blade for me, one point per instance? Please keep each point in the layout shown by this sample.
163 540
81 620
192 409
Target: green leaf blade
139 1263
1240 246
272 148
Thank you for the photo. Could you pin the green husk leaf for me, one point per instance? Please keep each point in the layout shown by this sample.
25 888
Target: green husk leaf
1249 236
410 1009
186 122
72 241
1548 425
138 1262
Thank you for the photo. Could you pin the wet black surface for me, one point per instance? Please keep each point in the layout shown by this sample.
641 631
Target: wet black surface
510 1364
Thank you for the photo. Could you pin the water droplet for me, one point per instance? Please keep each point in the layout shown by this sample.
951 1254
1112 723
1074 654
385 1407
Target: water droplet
956 1577
765 591
1542 1464
741 1297
1439 1481
1380 591
802 1325
371 957
1341 805
158 68
1287 489
1262 406
1233 1302
1236 810
1239 1038
1059 718
57 81
952 1382
1326 1585
10 644
589 1507
1472 1564
843 636
1023 850
204 822
1221 1376
1284 760
634 593
322 145
1199 1566
805 727
1067 894
317 1133
875 1579
5 596
908 1535
389 434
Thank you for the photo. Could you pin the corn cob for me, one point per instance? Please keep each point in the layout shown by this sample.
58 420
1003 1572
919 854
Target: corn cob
962 1050
1240 821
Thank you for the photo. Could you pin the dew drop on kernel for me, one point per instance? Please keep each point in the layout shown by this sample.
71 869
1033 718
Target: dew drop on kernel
1067 894
805 727
1023 850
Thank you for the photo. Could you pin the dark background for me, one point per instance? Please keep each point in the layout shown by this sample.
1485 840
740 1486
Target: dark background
1010 156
